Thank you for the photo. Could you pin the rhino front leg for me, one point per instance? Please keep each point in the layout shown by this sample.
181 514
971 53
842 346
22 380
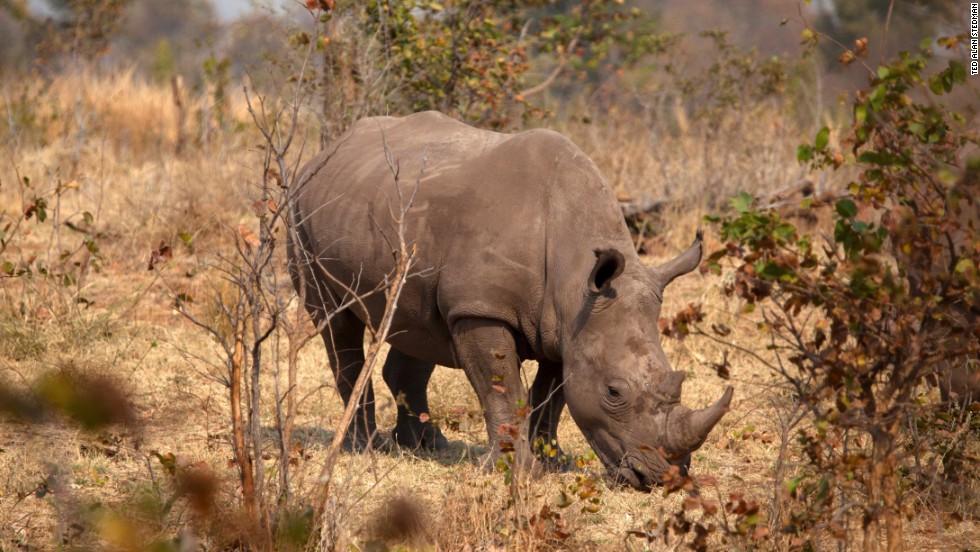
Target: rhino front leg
486 351
547 398
408 379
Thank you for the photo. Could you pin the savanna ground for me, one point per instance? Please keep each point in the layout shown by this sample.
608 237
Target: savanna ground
105 141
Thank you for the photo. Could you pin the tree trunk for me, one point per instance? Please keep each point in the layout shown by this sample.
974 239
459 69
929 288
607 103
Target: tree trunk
255 403
237 426
288 419
892 507
883 497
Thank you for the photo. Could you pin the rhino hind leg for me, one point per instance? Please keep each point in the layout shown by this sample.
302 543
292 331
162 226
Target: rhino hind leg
547 399
408 379
343 337
344 341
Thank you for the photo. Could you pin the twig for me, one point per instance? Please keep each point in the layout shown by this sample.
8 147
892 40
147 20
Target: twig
404 258
550 79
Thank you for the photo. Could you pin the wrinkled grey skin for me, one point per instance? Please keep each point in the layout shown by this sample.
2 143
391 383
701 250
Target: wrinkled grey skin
525 255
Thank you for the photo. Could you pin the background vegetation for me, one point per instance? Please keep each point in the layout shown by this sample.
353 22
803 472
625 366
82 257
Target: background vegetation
156 384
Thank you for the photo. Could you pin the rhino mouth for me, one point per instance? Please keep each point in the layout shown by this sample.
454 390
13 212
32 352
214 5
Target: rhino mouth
635 477
625 469
636 473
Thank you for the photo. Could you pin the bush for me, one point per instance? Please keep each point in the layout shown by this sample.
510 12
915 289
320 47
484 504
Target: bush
865 321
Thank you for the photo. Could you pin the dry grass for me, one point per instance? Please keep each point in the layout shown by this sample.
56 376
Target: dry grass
115 135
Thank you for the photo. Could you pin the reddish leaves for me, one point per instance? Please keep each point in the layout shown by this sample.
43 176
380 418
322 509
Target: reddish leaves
260 208
548 526
249 237
325 5
159 255
681 324
194 481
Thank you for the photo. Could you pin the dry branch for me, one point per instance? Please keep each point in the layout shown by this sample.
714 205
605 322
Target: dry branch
645 205
403 262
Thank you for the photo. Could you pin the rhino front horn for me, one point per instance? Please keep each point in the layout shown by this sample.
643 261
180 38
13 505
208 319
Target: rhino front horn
688 429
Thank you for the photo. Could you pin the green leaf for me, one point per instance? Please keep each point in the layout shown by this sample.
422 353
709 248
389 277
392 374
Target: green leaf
880 158
742 202
860 113
187 238
877 97
771 270
822 138
793 484
804 153
8 268
846 208
957 71
936 85
918 129
784 231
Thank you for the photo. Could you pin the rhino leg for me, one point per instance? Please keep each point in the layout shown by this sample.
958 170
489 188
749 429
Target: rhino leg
547 399
344 340
343 337
486 351
408 379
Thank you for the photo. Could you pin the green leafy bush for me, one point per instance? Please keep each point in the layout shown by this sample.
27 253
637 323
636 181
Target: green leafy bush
865 321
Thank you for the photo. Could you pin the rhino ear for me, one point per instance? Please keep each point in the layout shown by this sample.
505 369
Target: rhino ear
681 264
609 264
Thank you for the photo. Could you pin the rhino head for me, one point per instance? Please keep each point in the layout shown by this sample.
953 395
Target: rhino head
619 387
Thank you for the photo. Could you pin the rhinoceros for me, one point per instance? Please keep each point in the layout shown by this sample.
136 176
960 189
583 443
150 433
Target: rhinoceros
522 253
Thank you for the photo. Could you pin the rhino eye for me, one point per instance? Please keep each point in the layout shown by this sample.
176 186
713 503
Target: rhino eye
615 399
617 391
616 396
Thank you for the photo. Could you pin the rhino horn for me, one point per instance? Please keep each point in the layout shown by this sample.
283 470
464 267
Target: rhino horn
679 265
688 429
670 387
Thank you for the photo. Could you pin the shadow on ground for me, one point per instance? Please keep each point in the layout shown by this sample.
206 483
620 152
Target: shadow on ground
459 451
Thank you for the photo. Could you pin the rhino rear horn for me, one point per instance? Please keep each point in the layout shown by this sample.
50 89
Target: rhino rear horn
679 265
689 429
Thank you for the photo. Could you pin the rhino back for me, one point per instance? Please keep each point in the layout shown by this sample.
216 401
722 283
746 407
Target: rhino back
490 214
